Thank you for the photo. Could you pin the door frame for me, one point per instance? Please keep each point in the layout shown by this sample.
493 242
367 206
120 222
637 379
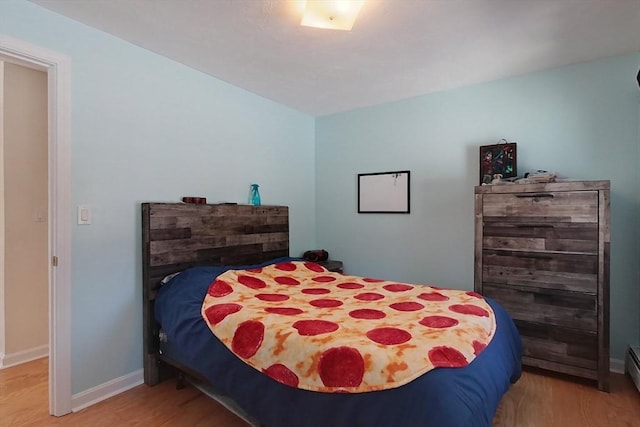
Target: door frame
58 69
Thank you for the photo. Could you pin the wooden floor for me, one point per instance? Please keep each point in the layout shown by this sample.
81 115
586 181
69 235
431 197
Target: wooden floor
536 400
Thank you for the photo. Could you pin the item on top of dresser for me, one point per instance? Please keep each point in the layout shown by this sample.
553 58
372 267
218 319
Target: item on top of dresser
195 200
254 195
499 180
500 158
541 176
316 255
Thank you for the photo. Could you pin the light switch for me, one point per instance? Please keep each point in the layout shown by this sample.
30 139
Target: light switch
84 215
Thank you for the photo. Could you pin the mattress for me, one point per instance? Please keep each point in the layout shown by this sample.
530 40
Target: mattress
466 396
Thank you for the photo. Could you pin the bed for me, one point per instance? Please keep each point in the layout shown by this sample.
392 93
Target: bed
205 242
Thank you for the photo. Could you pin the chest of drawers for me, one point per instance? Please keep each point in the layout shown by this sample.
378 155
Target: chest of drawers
542 252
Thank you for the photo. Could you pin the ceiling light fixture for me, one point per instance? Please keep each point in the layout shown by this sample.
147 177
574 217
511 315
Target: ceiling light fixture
331 14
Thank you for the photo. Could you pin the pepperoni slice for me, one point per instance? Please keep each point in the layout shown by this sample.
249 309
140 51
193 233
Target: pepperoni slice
397 287
474 310
255 270
446 357
287 311
372 280
323 279
474 294
251 282
314 267
325 303
285 280
247 338
286 266
341 367
272 297
315 291
219 288
433 296
350 285
367 313
478 347
216 313
369 296
407 306
389 336
315 327
439 322
282 374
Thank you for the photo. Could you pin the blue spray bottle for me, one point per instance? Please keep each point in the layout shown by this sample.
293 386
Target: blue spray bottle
254 195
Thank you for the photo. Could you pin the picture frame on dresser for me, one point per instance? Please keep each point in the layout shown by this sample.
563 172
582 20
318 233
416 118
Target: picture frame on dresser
542 251
500 158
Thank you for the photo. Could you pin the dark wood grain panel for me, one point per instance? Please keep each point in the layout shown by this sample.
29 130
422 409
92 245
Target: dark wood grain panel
543 261
576 355
541 235
524 276
541 244
161 246
577 206
558 333
176 236
559 344
542 227
169 234
572 310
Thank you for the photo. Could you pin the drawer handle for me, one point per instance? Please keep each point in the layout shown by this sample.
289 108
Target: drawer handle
535 225
538 256
531 195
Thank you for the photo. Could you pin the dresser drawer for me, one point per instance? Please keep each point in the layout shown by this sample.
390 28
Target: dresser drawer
541 236
559 344
575 282
552 270
558 308
558 206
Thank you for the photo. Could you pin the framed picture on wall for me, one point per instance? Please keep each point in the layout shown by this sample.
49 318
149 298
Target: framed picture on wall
500 158
383 192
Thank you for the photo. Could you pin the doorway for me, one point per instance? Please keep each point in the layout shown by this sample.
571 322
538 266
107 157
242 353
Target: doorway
23 215
57 68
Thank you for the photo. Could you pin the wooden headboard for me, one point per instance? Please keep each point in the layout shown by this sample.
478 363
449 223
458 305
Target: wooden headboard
176 236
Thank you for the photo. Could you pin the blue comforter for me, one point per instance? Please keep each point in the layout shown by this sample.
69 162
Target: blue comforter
443 397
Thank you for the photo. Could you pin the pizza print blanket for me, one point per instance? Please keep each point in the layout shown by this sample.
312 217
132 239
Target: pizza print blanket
309 328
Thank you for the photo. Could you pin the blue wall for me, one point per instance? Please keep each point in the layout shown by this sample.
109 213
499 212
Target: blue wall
145 128
581 121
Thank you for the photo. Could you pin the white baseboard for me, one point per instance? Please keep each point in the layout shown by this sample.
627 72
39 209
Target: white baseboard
104 391
616 366
24 356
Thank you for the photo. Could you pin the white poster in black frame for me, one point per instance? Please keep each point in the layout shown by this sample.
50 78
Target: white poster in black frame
384 192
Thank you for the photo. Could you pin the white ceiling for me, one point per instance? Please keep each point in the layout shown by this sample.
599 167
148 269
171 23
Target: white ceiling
397 48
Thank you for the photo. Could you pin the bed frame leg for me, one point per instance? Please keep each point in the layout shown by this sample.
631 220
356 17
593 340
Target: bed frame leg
180 382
